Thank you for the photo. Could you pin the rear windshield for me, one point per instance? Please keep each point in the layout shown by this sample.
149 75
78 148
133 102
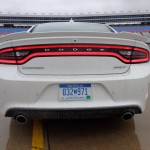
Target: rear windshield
74 27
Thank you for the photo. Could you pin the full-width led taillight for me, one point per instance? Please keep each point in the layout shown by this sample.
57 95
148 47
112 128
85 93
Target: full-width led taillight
22 54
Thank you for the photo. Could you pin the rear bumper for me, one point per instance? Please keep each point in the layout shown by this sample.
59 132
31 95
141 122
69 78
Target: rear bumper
73 113
39 95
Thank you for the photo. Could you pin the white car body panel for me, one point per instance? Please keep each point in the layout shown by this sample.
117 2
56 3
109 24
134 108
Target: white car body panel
77 66
22 91
34 85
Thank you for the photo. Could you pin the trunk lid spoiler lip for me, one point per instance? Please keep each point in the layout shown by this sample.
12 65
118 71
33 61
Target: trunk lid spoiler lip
121 35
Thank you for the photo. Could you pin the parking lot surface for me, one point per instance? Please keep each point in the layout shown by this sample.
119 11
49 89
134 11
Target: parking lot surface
110 134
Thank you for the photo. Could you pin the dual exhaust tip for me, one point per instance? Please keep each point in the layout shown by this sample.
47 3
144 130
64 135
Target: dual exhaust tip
22 119
128 115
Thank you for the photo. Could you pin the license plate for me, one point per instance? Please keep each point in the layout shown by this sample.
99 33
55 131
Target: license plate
75 92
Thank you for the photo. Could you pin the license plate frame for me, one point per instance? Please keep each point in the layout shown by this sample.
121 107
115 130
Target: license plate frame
75 92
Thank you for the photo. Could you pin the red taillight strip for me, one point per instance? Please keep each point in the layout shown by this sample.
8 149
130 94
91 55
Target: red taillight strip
8 61
111 51
111 54
42 54
143 59
6 50
73 46
139 60
141 50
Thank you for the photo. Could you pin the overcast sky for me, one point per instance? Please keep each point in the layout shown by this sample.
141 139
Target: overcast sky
72 6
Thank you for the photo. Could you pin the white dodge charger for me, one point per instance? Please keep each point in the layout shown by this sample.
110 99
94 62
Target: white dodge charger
73 70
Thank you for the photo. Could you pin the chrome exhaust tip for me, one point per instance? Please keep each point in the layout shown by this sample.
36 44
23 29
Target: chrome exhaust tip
22 119
127 116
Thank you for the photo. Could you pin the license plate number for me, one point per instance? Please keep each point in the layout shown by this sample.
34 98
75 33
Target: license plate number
75 92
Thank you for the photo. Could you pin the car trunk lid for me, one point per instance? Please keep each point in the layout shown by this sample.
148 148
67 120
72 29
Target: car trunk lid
73 55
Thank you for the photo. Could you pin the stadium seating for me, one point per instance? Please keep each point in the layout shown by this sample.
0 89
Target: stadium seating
10 30
133 28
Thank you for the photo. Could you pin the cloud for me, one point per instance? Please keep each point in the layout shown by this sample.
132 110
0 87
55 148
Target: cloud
69 6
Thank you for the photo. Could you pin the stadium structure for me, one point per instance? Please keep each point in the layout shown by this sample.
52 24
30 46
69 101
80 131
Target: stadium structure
132 22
